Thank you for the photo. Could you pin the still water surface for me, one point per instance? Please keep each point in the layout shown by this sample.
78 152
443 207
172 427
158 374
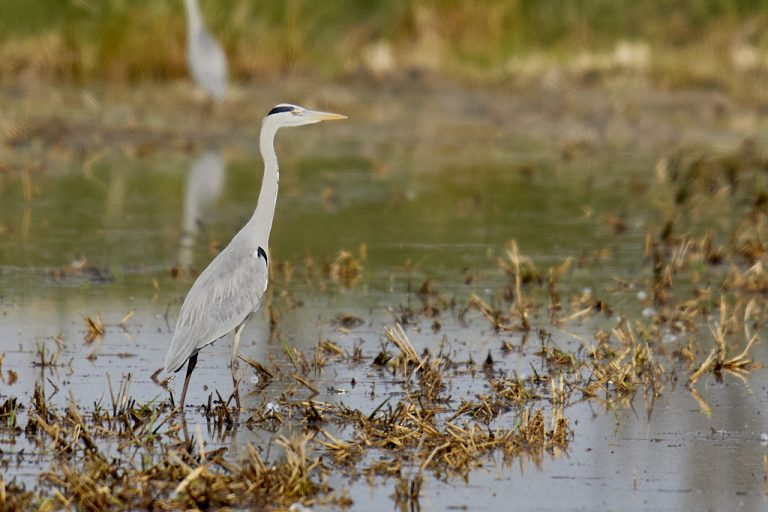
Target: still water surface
407 218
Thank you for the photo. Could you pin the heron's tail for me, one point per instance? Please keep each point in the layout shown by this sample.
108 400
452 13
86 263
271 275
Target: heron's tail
175 358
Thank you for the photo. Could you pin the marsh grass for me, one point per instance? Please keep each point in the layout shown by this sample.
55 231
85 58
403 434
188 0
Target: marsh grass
689 43
129 454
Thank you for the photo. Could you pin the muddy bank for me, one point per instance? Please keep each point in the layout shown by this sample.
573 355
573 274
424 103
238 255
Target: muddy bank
563 118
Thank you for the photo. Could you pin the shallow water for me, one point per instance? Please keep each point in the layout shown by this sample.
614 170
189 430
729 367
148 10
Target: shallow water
407 218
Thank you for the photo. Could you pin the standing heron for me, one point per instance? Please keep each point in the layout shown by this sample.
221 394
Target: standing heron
232 285
207 61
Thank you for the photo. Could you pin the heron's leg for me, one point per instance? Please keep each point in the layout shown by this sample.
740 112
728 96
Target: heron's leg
235 362
190 368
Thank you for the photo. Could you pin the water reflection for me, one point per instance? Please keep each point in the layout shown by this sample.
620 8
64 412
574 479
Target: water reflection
204 184
665 462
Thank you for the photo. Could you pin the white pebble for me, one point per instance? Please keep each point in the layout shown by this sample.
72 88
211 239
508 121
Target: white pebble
642 295
669 338
271 408
648 312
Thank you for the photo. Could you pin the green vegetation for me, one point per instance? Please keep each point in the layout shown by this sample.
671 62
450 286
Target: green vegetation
126 40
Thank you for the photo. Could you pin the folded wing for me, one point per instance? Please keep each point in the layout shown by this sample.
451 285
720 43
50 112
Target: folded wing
227 291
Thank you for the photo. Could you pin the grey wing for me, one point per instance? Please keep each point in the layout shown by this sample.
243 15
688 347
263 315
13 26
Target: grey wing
209 65
227 291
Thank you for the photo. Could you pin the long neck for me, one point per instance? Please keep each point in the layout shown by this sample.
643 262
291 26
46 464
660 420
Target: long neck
261 222
194 20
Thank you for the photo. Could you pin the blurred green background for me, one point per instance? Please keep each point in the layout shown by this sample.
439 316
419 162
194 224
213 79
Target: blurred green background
127 40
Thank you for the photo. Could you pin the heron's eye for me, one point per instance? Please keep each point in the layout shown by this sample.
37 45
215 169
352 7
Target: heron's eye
294 112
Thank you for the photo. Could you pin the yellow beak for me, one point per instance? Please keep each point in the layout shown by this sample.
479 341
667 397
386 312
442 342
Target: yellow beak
323 116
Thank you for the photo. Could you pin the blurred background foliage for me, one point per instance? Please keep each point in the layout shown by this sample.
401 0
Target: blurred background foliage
128 40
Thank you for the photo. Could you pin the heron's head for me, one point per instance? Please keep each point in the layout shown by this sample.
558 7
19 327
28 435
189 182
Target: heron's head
286 114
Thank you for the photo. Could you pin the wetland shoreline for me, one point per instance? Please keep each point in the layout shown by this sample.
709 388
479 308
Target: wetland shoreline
615 348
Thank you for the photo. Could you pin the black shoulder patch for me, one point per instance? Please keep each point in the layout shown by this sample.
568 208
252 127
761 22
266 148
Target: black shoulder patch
280 108
261 253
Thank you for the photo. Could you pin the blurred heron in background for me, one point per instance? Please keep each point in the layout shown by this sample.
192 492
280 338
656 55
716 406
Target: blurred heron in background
207 61
232 286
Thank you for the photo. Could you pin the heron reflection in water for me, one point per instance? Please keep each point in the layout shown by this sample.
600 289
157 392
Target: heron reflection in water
207 61
231 287
204 183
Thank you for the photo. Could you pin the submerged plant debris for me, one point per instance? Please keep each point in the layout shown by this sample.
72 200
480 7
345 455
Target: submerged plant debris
437 408
704 291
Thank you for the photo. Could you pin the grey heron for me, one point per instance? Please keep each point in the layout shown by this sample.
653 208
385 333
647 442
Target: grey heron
232 285
207 61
